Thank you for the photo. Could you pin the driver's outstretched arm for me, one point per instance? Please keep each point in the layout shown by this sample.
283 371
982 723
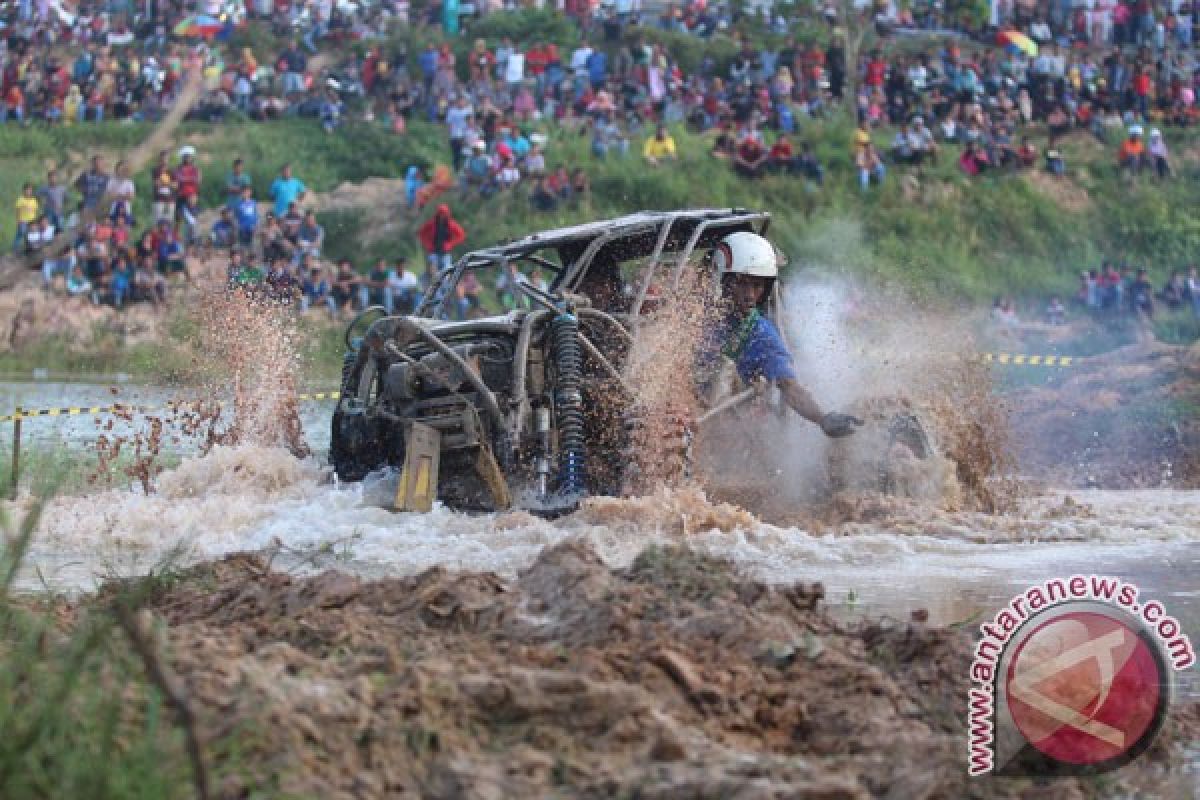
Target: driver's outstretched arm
801 400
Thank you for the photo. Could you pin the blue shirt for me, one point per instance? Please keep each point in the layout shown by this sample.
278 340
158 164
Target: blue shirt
762 355
246 214
284 192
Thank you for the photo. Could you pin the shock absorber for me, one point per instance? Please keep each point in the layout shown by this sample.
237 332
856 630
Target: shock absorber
568 400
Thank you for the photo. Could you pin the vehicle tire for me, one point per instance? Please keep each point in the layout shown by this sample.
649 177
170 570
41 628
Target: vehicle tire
354 441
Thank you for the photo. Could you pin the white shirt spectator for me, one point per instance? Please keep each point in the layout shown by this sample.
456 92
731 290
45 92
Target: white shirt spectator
508 176
404 280
514 69
579 60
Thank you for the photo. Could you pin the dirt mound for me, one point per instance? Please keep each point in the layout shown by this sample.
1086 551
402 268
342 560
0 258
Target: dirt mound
1118 420
674 678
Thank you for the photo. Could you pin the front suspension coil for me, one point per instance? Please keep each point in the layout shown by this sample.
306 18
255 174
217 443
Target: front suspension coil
568 401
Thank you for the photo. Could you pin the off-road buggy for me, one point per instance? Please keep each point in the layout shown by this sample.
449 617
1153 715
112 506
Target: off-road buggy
526 408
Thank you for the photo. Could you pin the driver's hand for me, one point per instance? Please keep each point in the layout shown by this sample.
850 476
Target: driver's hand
836 425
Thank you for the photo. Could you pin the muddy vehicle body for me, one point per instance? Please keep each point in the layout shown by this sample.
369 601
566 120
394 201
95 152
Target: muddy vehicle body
528 408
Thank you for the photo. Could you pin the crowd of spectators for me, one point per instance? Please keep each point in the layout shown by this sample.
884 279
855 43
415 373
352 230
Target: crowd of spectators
1123 289
1109 71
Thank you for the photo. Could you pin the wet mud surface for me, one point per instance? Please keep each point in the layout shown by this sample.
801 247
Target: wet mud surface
674 677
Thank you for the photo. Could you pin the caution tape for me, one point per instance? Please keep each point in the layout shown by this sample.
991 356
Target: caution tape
95 411
1029 361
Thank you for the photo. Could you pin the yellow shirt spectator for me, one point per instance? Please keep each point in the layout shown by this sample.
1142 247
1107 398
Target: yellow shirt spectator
657 148
27 209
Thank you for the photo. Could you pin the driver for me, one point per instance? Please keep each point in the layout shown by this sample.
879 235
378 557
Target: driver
746 340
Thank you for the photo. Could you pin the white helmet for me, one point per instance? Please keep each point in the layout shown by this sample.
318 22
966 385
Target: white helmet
187 150
746 253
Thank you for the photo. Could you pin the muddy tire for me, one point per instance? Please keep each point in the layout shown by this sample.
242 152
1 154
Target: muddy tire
354 439
894 453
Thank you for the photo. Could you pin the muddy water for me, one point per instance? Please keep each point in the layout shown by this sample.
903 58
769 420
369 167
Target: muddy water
956 566
79 431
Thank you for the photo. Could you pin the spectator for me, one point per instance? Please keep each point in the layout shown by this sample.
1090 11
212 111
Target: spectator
870 166
403 287
1056 312
973 160
64 264
315 290
187 181
346 285
286 190
1141 294
245 216
27 214
93 184
148 285
41 234
750 158
121 192
235 182
1026 154
224 230
439 235
170 252
78 284
375 290
581 187
781 157
1157 154
53 199
1055 164
1174 292
807 165
659 147
163 178
413 182
541 198
310 236
1131 156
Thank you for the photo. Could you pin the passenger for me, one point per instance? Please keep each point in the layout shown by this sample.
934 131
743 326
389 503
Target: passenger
748 341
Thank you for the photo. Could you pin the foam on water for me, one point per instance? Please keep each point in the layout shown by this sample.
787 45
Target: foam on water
253 497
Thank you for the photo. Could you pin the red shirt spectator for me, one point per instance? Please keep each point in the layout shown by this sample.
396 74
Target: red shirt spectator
187 179
536 60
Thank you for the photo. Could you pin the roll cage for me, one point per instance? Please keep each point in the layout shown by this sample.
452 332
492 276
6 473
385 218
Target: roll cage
666 239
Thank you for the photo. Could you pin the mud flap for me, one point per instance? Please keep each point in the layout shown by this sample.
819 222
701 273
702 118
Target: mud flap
493 478
417 488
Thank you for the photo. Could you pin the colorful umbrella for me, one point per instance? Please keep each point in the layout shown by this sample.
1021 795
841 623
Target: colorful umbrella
1017 42
199 25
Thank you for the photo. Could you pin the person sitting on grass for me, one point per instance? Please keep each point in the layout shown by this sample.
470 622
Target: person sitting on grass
750 158
541 198
315 290
973 160
148 285
780 157
1131 156
346 284
1157 154
659 147
224 230
1026 154
870 166
807 165
77 283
